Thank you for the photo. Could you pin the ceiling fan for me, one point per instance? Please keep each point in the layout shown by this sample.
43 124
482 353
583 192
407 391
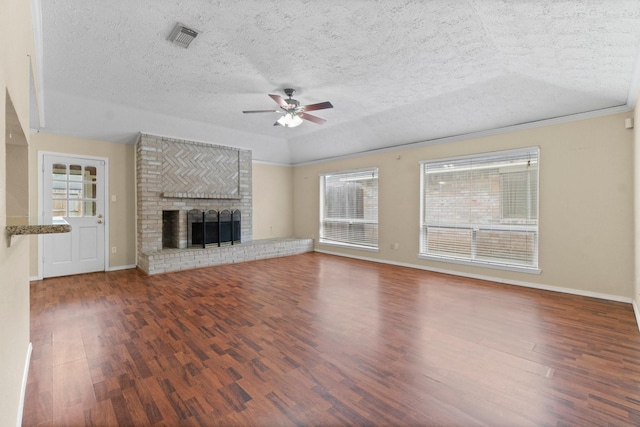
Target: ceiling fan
294 113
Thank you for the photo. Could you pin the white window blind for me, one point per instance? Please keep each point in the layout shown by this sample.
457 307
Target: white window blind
349 208
482 209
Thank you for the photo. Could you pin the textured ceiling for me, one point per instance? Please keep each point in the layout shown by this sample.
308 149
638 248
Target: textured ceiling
397 72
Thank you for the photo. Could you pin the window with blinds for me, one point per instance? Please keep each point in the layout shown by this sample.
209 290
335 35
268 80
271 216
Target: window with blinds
481 209
349 208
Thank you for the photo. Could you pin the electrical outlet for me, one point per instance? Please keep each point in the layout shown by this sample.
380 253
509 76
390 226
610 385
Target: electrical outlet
114 250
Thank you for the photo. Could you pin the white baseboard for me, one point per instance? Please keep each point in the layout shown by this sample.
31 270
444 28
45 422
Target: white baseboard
579 292
23 391
117 268
636 311
121 267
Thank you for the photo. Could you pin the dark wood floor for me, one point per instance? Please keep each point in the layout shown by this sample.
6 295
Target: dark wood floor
321 340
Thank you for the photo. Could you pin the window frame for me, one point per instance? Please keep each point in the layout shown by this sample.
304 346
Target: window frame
323 240
506 224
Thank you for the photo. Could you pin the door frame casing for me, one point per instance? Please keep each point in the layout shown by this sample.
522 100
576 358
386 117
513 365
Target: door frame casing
41 155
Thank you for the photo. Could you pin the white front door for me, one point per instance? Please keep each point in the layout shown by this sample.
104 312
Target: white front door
73 188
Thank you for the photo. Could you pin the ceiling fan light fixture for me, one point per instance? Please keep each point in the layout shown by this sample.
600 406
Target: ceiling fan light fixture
294 113
290 120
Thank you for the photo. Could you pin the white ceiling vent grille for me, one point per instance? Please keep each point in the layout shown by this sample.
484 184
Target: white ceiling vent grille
182 36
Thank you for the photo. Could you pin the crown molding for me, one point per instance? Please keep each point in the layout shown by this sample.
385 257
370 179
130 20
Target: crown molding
480 134
634 86
266 162
37 80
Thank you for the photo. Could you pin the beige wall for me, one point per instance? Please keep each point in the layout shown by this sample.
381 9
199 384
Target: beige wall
272 201
14 304
636 168
586 203
121 184
17 176
272 194
15 50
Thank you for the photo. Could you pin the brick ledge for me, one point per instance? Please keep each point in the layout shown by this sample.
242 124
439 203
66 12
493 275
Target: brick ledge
168 260
188 195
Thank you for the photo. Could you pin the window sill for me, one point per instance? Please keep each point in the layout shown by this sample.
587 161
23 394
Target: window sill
495 266
348 246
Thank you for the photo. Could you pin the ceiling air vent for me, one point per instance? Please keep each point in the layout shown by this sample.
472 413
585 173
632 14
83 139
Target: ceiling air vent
182 36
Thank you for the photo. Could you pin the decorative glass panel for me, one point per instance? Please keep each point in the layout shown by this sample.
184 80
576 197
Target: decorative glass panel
75 208
59 172
59 208
75 173
90 173
90 191
59 190
89 209
75 190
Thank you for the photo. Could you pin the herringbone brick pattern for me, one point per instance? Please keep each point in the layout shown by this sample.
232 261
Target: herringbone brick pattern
177 175
206 170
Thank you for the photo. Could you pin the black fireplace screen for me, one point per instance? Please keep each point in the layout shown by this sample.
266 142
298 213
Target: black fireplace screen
213 228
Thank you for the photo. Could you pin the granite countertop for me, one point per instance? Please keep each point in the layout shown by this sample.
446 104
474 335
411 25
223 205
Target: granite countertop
24 225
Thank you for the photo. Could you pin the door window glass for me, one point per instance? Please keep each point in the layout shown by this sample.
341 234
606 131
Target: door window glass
74 190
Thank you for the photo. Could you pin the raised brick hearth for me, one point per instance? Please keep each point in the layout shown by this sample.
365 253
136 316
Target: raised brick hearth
184 259
175 176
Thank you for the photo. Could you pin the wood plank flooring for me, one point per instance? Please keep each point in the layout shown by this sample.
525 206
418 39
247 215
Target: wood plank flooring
315 339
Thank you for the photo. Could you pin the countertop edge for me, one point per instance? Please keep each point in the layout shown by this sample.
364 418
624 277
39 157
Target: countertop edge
17 230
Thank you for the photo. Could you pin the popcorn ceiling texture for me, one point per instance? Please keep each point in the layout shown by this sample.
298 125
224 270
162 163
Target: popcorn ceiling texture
396 71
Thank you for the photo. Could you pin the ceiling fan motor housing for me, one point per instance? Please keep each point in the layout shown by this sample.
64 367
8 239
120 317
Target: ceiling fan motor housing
293 103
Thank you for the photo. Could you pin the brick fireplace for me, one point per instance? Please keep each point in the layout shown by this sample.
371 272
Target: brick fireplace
175 177
206 228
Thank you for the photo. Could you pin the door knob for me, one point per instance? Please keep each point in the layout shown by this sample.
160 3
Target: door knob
99 215
99 221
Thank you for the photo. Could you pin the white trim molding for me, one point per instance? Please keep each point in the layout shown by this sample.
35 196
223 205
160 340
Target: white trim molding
634 86
636 311
524 284
121 267
23 391
479 134
268 163
38 79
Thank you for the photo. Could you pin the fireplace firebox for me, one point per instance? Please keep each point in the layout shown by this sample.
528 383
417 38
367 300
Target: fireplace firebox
213 228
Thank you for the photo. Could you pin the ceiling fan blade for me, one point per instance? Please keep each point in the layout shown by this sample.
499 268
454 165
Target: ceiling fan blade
281 102
261 111
311 118
318 106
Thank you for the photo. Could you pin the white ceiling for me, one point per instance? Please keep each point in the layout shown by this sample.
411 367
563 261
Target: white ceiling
397 72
